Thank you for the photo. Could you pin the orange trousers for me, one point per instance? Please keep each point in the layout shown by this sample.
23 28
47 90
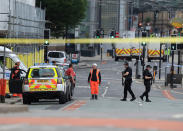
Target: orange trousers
94 87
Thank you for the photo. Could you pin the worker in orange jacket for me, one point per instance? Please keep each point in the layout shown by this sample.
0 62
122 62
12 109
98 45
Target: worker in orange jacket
94 79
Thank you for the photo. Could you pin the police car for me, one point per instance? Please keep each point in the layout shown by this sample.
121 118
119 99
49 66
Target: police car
46 82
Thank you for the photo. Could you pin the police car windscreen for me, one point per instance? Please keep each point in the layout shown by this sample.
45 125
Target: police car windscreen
56 55
38 73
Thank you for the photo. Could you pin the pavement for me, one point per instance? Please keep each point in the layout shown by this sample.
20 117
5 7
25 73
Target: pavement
11 106
164 113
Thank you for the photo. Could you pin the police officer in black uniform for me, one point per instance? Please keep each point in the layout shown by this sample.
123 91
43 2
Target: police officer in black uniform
127 74
147 76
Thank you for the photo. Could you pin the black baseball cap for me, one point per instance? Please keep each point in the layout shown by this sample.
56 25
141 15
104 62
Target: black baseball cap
148 66
126 63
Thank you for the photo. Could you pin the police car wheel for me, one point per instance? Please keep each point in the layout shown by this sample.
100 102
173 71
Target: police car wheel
62 98
26 99
116 58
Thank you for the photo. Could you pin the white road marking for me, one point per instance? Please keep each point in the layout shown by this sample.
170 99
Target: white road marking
136 81
178 116
11 127
85 87
159 87
140 103
84 78
105 92
177 92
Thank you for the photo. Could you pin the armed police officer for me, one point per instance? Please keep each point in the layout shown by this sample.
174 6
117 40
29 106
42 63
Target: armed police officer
147 82
127 74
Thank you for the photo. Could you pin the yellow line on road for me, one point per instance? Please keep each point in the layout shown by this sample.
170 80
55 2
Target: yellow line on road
168 40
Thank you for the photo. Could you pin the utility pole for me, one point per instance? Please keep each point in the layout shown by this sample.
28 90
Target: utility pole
173 48
100 14
179 59
160 61
99 26
172 69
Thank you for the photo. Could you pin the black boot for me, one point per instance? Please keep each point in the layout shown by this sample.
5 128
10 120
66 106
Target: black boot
124 99
96 97
134 98
142 98
147 100
93 97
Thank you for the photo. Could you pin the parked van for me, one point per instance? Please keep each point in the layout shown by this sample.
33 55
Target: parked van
11 59
57 56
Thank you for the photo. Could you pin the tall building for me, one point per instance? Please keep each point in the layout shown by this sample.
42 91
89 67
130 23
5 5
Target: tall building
21 19
110 15
103 14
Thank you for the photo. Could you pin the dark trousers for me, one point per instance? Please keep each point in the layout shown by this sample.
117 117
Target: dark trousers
147 90
127 88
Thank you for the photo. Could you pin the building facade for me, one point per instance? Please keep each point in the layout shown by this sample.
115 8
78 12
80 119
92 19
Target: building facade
21 19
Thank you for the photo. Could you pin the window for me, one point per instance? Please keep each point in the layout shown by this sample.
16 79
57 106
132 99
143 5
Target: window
43 72
56 54
59 73
9 63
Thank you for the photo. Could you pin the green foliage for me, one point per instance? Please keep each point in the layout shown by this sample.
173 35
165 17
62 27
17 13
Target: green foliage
63 14
147 20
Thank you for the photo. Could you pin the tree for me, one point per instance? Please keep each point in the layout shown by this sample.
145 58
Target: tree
63 14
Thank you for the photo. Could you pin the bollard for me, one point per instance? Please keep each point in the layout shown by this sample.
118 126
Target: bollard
2 90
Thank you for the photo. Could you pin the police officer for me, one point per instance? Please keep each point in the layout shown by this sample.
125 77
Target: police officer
147 82
16 72
127 74
15 75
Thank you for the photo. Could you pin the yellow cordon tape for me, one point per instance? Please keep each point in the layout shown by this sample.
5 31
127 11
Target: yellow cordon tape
167 40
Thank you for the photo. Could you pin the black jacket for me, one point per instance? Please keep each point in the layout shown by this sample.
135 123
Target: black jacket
147 73
129 76
15 75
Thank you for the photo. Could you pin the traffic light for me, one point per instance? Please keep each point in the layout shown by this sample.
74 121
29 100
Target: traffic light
46 43
113 34
173 46
140 25
98 34
46 37
143 43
